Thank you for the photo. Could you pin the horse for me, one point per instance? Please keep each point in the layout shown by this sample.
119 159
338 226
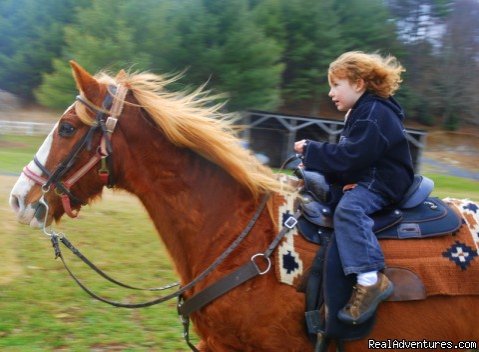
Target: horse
179 154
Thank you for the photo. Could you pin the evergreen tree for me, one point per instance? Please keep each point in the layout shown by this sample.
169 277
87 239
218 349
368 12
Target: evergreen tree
219 42
58 88
250 69
156 33
459 66
367 26
416 22
311 39
97 41
30 36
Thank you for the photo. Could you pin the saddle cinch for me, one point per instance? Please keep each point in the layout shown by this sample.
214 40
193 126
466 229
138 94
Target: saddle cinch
417 216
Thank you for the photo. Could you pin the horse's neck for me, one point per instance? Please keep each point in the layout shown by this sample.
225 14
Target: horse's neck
193 204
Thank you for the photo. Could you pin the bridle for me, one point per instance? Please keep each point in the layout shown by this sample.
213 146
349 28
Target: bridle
106 118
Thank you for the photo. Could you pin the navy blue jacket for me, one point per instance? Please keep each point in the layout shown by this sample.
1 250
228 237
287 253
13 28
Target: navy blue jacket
372 149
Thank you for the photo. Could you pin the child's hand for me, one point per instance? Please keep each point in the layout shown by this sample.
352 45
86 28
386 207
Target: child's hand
299 146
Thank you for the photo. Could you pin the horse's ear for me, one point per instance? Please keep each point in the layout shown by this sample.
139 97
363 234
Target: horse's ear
120 75
85 82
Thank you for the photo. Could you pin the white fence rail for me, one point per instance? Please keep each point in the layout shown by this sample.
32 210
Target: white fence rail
25 128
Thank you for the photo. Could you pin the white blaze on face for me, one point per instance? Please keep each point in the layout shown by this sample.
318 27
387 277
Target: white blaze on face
25 213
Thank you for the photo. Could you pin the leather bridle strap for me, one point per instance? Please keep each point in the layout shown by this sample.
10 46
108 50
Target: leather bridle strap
69 161
92 106
115 99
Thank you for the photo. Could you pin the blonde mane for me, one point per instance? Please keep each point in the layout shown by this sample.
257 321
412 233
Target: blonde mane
191 120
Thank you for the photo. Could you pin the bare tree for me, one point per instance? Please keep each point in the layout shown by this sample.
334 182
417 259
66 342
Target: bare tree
459 71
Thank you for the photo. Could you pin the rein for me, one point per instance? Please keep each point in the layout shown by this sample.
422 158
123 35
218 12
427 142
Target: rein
57 238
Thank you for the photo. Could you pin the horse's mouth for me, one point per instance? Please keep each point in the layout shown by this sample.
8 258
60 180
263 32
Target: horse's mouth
33 215
39 216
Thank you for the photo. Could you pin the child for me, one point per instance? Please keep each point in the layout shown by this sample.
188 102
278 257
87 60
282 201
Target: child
372 163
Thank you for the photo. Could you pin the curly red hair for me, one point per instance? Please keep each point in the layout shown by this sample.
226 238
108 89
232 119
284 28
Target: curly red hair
381 75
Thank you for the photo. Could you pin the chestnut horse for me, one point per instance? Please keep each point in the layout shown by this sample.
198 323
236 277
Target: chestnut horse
178 154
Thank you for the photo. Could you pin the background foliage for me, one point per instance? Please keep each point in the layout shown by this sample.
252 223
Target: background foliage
265 54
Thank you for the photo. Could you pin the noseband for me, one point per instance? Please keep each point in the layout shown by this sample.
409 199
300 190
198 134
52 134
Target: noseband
106 118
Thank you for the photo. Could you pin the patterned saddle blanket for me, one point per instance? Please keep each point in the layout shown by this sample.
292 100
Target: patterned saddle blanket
447 265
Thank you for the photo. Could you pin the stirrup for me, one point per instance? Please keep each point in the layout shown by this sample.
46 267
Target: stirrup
322 342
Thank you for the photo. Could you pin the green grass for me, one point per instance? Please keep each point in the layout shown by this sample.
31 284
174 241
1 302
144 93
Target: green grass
454 187
17 151
42 309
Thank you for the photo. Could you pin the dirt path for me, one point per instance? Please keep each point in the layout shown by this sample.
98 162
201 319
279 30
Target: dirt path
435 165
452 153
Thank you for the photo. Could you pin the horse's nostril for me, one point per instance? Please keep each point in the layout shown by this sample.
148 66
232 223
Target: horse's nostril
15 203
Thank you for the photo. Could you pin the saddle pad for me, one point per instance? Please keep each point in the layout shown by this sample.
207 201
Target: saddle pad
448 265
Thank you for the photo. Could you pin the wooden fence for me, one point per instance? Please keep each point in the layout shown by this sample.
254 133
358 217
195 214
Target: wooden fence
25 128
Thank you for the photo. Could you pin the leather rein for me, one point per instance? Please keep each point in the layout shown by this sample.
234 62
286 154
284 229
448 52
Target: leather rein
106 119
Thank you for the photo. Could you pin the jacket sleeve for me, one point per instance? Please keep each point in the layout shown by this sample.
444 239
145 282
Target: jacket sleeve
359 149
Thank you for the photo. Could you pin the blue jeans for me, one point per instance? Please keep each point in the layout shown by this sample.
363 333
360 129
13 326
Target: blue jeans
358 246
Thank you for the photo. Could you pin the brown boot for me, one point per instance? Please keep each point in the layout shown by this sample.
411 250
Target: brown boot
365 300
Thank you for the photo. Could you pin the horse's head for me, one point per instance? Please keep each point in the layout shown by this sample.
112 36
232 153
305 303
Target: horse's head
72 165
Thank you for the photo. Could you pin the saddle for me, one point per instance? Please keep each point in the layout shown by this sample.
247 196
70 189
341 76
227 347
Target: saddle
416 216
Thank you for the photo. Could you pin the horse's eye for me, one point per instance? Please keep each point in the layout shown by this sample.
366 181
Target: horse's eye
66 129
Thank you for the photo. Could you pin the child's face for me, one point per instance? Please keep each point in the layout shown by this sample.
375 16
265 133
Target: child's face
344 93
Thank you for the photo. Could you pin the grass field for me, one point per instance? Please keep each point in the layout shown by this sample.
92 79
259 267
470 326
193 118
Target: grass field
16 151
42 309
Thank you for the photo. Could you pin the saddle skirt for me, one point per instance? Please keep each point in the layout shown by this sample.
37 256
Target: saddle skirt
447 265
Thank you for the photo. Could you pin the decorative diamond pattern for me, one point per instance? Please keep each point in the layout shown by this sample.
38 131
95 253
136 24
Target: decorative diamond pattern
461 254
471 207
289 263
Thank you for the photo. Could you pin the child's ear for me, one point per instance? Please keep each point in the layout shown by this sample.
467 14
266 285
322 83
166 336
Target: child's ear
360 85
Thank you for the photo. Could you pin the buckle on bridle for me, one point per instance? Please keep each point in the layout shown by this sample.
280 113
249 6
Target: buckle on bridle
111 124
291 222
